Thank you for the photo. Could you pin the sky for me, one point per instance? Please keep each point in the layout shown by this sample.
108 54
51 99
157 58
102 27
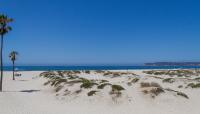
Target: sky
102 32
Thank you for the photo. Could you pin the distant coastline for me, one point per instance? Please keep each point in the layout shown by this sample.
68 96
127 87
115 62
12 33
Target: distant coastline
173 64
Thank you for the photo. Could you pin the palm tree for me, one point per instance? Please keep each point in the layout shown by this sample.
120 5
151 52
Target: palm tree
13 57
4 29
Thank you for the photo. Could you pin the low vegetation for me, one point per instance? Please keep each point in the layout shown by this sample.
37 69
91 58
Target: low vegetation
182 94
178 93
116 90
71 72
197 79
91 93
154 89
71 77
87 72
60 73
47 74
61 80
87 83
192 85
116 74
57 89
99 71
104 81
147 84
157 77
103 85
178 73
72 82
180 86
56 81
169 80
78 91
134 80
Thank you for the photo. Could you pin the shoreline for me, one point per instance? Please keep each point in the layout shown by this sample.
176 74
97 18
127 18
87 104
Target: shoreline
48 68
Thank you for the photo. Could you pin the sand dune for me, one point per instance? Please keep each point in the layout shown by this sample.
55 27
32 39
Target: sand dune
28 95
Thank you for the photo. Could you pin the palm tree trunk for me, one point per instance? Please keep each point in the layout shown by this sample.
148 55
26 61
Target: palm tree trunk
1 62
13 70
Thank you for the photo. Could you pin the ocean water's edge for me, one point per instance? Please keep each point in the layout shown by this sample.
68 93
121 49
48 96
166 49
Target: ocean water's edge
47 68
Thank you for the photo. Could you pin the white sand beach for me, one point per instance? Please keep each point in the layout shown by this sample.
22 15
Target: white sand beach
149 50
28 94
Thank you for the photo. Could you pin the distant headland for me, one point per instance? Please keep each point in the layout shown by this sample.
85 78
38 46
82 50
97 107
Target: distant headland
173 64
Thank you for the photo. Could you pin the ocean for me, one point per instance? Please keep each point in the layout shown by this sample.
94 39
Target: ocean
47 68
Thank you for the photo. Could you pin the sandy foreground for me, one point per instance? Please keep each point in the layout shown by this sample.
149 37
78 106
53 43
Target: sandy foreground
28 95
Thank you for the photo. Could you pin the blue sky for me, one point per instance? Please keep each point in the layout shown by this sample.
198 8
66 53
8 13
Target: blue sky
77 32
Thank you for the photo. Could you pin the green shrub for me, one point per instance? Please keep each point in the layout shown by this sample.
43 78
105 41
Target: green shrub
159 73
107 73
129 84
145 91
148 72
147 84
103 81
192 85
103 85
183 95
47 83
197 79
55 81
157 77
153 91
71 77
47 74
177 92
68 72
60 73
87 83
116 74
116 93
75 81
58 88
156 91
66 93
87 72
153 84
99 71
91 93
76 71
84 80
135 80
180 86
169 80
59 81
78 91
117 88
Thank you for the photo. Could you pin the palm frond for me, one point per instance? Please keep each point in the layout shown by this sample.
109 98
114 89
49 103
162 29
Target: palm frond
5 30
5 19
13 55
4 27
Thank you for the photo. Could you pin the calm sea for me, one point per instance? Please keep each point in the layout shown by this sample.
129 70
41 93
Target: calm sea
46 68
